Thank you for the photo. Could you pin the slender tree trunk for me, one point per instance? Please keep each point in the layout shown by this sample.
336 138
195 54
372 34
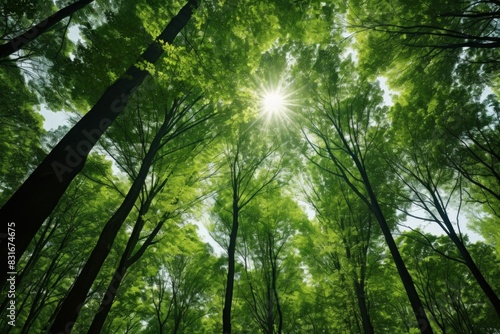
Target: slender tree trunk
416 304
120 271
275 291
359 289
33 202
469 261
280 312
487 289
33 33
415 301
125 262
374 206
177 321
108 299
176 285
40 297
270 305
75 299
363 309
228 299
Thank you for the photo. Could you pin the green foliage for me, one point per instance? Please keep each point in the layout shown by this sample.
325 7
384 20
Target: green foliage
293 273
20 132
447 288
61 247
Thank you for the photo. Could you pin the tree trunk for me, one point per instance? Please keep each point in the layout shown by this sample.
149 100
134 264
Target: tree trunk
20 41
416 304
276 296
228 299
270 306
108 299
120 271
374 206
469 261
75 299
177 320
40 297
359 289
487 289
363 309
125 262
33 202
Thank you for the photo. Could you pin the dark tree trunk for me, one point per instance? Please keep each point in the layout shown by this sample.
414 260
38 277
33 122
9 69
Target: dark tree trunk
363 309
423 322
359 288
228 299
274 268
33 202
371 201
40 297
125 262
487 289
120 271
416 304
108 299
177 320
464 253
270 306
280 312
19 42
75 299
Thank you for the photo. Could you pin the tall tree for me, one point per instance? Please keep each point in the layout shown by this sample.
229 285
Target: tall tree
39 194
177 119
424 178
270 265
61 247
344 138
182 284
429 139
445 287
178 176
474 155
250 171
345 234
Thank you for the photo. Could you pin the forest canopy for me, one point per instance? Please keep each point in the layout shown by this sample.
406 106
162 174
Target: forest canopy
247 166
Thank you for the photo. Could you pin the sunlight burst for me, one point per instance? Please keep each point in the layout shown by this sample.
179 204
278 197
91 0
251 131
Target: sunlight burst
274 103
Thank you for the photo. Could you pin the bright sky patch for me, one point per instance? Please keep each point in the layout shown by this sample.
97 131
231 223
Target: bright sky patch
275 103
